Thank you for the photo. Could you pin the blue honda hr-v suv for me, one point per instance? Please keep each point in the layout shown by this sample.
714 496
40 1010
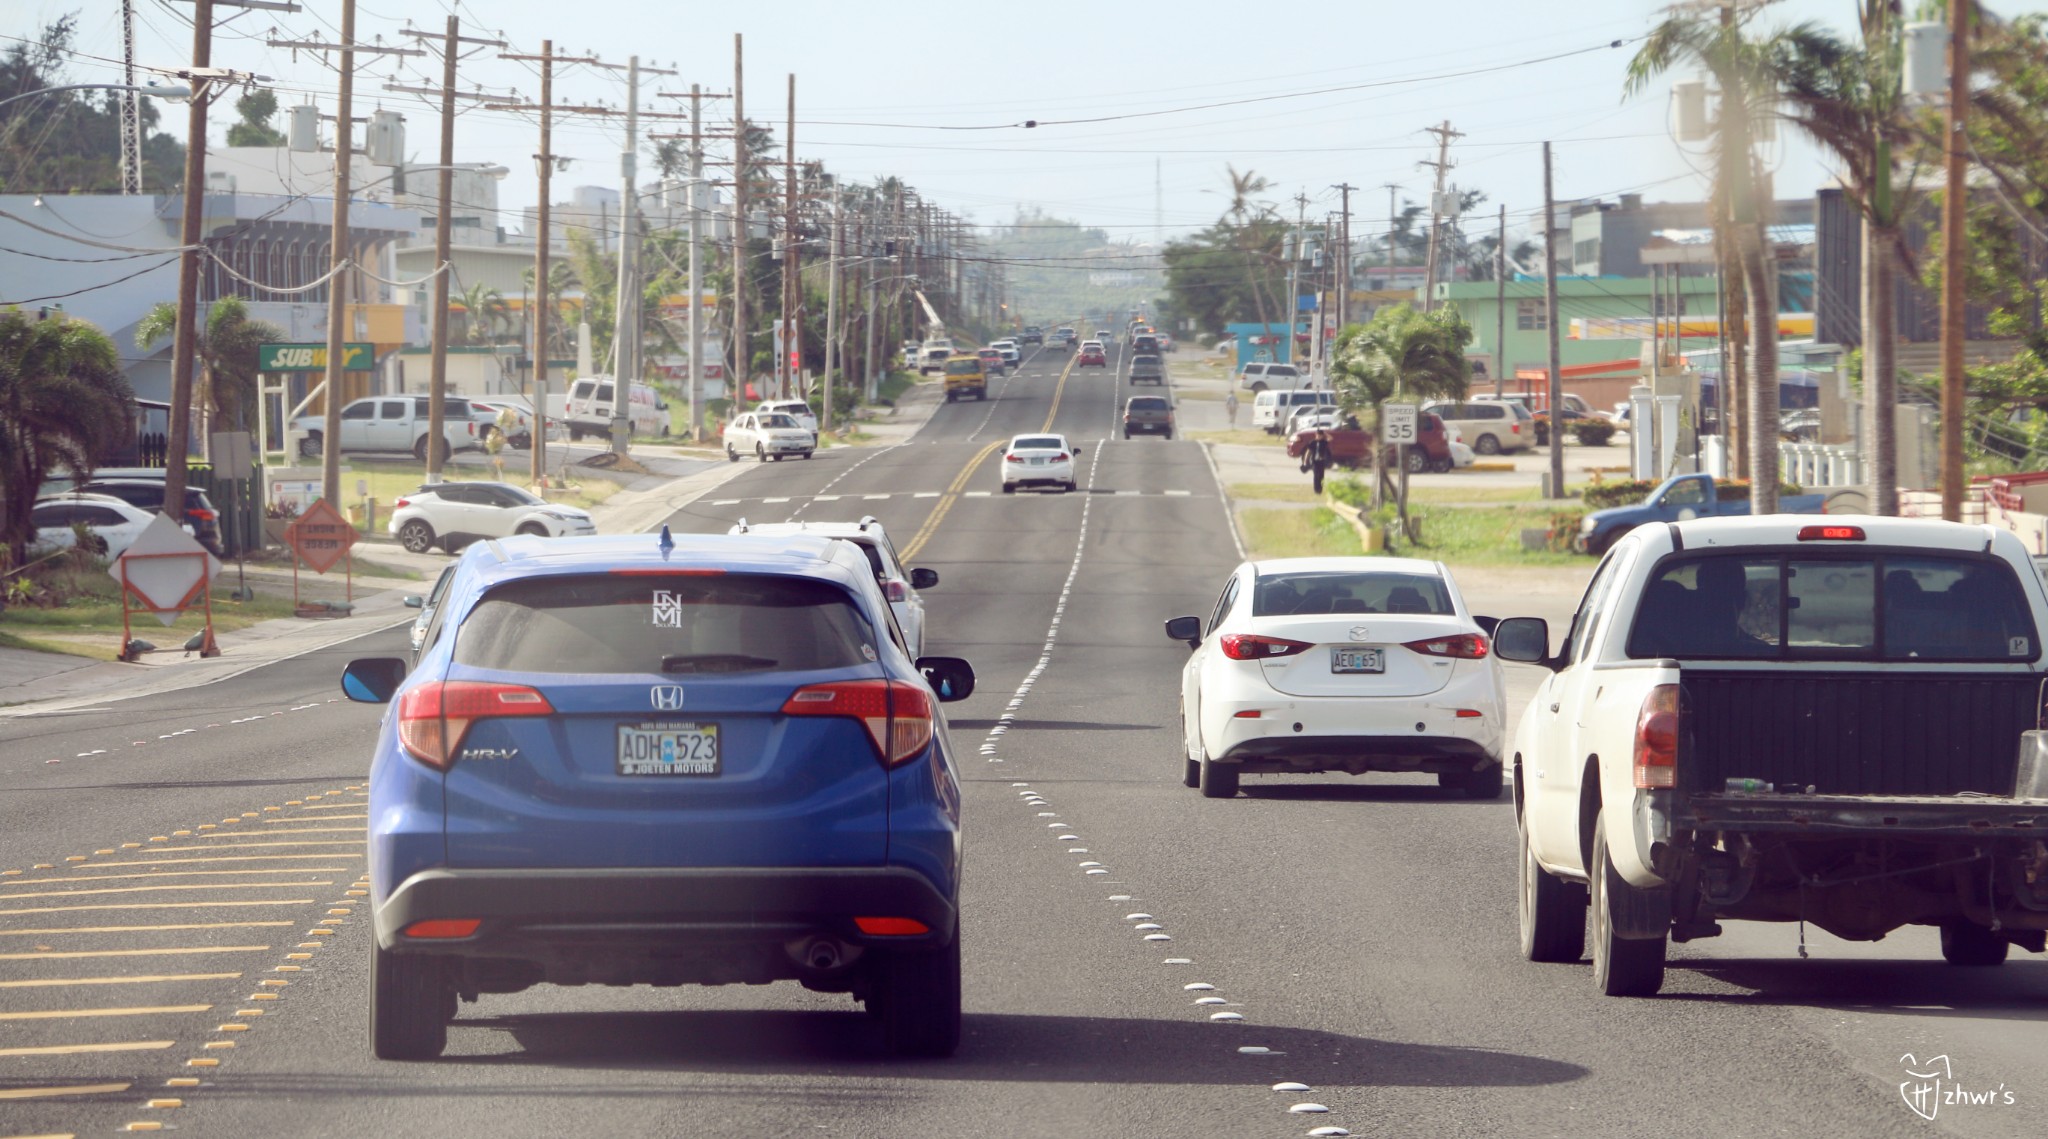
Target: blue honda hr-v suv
628 760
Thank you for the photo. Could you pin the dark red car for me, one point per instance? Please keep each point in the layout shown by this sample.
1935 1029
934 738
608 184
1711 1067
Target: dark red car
1348 447
1092 358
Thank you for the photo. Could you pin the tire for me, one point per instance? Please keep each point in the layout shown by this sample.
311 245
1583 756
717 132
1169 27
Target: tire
1622 967
1166 434
523 440
1418 463
1258 385
416 536
411 1003
312 446
533 530
1009 488
1970 945
921 1001
1487 445
807 456
731 456
760 453
1069 488
1440 466
419 449
1553 911
950 396
1482 785
1218 780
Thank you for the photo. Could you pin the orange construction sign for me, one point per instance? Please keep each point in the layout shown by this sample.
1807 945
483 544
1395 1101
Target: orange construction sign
320 536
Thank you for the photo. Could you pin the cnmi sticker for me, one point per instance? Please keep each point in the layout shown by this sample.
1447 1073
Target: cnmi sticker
668 610
2016 646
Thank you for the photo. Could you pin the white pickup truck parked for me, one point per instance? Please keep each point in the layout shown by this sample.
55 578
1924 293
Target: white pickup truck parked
390 423
1786 718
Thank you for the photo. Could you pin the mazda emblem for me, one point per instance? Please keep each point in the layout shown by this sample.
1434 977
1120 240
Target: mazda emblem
1359 633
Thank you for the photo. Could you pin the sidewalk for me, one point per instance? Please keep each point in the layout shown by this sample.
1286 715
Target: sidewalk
36 683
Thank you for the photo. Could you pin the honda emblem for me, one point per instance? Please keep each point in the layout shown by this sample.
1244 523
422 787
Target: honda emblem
666 697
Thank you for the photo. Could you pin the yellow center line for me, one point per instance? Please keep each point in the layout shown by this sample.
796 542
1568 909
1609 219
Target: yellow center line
1057 392
54 930
244 846
67 954
938 514
329 806
147 979
170 874
67 1089
307 830
75 1049
161 889
323 818
68 1013
230 858
155 906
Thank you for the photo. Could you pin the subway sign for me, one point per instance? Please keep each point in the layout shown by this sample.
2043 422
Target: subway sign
313 357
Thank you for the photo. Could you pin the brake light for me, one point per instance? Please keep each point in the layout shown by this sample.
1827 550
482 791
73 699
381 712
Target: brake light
898 715
891 927
1831 533
1515 427
1464 646
1250 646
1656 763
401 504
1060 458
201 514
443 927
433 718
1013 458
896 591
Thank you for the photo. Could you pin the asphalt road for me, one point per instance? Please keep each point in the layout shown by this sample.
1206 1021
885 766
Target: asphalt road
1363 929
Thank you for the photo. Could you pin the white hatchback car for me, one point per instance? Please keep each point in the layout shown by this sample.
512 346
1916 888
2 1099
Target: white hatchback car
1039 460
769 435
1341 664
900 586
794 408
451 515
114 521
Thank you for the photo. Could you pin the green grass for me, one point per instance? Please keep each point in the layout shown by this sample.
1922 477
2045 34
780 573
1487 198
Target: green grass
1435 495
1274 491
1484 536
90 625
893 385
1285 533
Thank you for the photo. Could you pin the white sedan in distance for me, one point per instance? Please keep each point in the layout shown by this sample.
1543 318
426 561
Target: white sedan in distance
451 515
1309 665
769 435
794 408
1039 460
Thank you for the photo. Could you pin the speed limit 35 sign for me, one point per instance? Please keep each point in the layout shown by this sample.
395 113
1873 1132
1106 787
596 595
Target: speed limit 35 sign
1397 421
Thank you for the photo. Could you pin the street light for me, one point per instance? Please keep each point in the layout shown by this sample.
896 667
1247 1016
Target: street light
174 94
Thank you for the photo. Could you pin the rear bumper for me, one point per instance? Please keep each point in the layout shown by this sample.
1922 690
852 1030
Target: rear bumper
1144 428
560 917
1358 754
1849 815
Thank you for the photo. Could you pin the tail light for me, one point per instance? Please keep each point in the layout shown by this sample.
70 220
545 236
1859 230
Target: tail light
472 427
898 715
201 514
1657 739
1250 646
1464 646
1013 458
401 504
1515 427
433 718
443 927
1061 457
896 591
891 927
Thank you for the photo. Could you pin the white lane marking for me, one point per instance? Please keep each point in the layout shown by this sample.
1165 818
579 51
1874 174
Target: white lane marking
727 501
775 500
873 497
821 496
1229 515
828 497
977 494
926 494
1178 493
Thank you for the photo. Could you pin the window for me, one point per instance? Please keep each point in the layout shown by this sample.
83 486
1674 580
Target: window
1532 316
364 410
1351 592
50 517
604 393
394 409
1894 607
1688 493
1581 631
609 624
1223 603
98 516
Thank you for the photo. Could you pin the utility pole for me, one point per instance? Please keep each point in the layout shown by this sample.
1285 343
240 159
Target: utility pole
1555 392
832 259
184 345
1444 134
1294 260
792 284
543 305
1954 258
1500 307
742 363
1344 245
337 307
695 370
437 374
626 334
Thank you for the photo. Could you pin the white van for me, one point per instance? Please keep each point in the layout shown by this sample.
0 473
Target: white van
1271 409
588 410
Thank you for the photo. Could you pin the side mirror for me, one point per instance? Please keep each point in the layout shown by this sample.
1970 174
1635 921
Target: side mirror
1523 639
1077 448
1185 629
951 677
923 578
1488 624
372 680
414 601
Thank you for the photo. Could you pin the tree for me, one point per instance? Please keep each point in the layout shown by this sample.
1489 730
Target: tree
1746 70
257 108
561 278
65 142
227 350
1401 351
485 313
63 405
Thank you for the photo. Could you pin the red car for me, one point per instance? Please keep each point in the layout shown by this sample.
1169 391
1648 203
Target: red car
1092 358
1431 452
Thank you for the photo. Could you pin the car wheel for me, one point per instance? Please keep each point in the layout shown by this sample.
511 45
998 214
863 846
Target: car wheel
1166 434
523 441
416 536
1553 911
1418 463
1969 944
411 1003
1009 488
760 453
1483 784
921 1001
1191 769
419 449
950 396
1218 780
312 446
807 455
1487 445
533 530
731 456
1440 466
1622 966
1258 385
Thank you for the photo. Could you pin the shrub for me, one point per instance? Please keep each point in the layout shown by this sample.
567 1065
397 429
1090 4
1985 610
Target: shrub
1348 490
1592 432
1737 490
1564 530
1607 495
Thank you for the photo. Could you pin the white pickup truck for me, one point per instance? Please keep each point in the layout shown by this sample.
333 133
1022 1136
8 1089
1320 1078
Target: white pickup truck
390 423
1786 718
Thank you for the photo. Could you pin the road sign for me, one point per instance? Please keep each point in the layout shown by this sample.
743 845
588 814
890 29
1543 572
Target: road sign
164 568
313 357
320 536
1397 421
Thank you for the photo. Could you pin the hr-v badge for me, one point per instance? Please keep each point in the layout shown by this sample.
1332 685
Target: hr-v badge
666 697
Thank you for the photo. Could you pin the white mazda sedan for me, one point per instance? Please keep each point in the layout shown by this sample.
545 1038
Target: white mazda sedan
1309 665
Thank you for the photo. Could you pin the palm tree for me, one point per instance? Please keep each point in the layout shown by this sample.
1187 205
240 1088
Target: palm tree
485 311
63 404
227 351
1245 216
1746 69
561 278
1849 101
1400 352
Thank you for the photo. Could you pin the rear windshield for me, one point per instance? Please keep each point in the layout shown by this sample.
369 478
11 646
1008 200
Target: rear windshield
1917 606
1287 594
964 367
1153 361
1148 403
1039 443
607 623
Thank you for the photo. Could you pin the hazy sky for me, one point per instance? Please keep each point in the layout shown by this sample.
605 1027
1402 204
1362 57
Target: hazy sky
878 82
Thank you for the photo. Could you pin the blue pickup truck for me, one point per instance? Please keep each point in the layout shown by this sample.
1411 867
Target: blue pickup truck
1679 499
